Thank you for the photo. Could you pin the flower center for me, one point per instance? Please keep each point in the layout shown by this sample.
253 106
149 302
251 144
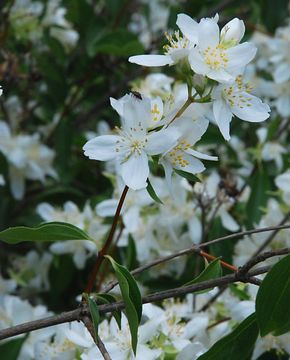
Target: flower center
176 154
176 41
216 57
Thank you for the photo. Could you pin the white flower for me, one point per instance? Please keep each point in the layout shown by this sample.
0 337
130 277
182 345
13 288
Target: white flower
178 48
220 58
283 183
133 144
182 156
86 220
27 158
233 32
156 84
234 99
271 150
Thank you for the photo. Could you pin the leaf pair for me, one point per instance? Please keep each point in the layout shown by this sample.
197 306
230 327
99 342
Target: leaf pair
132 299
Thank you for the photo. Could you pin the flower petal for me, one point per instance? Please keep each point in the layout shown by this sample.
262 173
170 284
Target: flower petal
188 26
107 207
201 155
208 33
283 105
197 62
135 171
101 147
282 73
137 115
151 60
223 117
240 56
161 141
256 112
194 165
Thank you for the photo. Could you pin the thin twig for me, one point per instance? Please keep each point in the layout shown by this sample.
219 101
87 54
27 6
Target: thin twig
194 249
103 349
80 312
108 242
272 236
262 257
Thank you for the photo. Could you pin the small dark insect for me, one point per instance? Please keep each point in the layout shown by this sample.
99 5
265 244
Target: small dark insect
229 185
136 94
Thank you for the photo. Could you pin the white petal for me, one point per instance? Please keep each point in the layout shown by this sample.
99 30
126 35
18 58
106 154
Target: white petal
107 207
282 73
223 117
151 60
161 141
195 229
201 155
229 222
17 183
131 219
208 33
240 56
135 171
168 173
102 147
46 211
220 75
188 26
258 111
233 31
137 115
197 62
283 105
194 166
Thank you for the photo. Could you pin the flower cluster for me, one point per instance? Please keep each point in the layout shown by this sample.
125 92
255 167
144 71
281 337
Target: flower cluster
151 127
171 128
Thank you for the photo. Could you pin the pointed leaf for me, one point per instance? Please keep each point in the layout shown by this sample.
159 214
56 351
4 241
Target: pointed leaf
132 299
52 231
212 271
94 311
188 176
10 350
273 299
152 193
238 345
109 299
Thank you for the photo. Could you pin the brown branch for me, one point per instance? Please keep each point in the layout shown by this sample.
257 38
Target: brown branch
103 349
272 236
81 312
262 257
108 242
194 249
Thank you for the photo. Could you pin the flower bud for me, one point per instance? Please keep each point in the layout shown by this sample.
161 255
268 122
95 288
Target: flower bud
232 32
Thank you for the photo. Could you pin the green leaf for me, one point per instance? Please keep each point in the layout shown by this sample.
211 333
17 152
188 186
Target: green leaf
273 298
10 350
273 13
132 299
94 311
188 176
131 253
52 231
260 184
238 345
109 299
152 193
119 43
212 271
